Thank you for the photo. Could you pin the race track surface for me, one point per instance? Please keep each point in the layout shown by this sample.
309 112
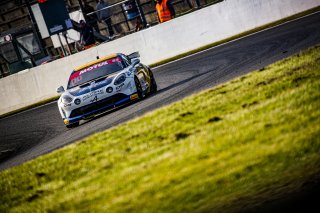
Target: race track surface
38 131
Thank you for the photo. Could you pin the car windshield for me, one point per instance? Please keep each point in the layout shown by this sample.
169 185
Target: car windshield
95 71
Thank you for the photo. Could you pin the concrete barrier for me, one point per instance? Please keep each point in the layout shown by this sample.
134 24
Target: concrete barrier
162 41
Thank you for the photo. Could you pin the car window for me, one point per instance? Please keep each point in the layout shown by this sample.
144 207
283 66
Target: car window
95 71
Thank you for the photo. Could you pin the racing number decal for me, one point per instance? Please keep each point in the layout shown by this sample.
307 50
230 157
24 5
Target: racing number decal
95 99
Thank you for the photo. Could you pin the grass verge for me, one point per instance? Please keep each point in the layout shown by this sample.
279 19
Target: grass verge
235 145
188 53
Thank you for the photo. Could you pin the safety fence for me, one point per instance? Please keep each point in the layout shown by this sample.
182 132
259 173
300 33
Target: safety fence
128 16
125 13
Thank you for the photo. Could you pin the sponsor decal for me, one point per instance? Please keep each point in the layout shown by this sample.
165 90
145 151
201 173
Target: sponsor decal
75 79
95 99
67 105
134 96
93 67
93 93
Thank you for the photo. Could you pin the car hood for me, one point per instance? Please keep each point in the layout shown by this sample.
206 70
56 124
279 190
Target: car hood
78 91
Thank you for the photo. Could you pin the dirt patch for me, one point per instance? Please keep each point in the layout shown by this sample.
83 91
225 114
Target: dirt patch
186 114
249 104
181 135
214 119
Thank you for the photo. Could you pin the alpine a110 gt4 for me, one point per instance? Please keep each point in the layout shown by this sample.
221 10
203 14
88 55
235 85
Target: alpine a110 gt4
102 85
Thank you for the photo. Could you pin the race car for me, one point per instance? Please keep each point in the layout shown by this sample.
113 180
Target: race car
102 85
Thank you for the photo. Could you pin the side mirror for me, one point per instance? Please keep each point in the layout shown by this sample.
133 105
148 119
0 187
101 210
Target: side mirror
135 61
60 90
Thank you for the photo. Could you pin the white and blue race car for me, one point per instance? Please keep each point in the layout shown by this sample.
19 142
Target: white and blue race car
102 85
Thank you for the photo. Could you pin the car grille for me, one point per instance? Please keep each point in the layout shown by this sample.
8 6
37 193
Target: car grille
99 105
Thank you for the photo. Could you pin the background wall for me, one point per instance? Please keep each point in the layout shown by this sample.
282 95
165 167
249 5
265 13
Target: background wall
162 41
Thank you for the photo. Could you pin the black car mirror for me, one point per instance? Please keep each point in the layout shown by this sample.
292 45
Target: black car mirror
135 61
60 89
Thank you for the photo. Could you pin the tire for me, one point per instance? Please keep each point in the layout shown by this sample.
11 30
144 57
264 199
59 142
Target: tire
153 87
69 126
139 88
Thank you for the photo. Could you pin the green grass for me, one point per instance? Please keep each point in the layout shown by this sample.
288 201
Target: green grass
239 144
298 15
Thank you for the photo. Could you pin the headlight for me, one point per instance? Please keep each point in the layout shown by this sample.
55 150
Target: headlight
66 99
120 79
77 101
109 90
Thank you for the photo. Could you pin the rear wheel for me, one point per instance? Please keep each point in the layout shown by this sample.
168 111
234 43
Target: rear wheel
75 124
153 87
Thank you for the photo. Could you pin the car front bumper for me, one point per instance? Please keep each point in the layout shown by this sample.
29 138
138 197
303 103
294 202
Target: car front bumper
89 110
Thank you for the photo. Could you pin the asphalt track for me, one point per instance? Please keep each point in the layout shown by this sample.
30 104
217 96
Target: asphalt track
38 131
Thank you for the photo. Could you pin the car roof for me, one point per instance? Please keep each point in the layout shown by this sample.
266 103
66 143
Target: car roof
96 61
